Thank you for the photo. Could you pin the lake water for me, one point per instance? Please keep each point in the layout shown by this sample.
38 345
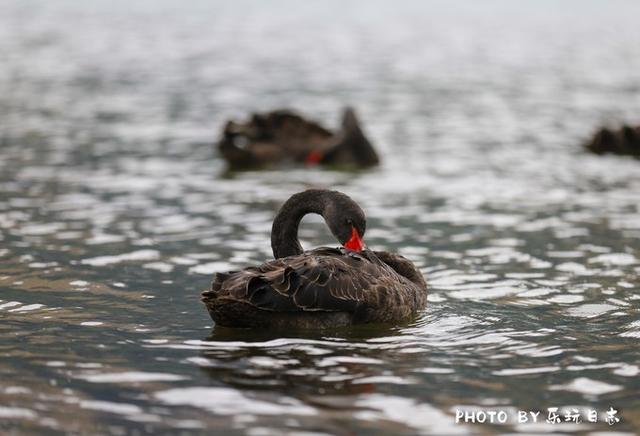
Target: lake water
115 212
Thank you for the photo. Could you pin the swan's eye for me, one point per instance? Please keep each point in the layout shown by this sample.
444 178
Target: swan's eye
350 221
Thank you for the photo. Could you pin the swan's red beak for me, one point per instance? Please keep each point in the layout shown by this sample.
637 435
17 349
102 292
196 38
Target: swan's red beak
313 158
355 243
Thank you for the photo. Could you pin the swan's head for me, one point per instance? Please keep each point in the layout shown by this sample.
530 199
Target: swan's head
346 221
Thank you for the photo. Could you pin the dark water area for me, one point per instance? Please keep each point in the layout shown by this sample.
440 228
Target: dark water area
116 211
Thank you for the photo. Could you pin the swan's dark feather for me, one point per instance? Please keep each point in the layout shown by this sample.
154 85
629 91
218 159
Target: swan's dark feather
366 287
283 135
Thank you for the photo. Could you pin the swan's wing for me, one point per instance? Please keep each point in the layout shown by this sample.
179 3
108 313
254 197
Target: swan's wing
320 280
403 267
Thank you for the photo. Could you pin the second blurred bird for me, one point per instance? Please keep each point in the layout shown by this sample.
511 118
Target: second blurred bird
283 136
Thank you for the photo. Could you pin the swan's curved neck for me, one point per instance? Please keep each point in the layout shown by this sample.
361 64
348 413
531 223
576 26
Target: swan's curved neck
284 233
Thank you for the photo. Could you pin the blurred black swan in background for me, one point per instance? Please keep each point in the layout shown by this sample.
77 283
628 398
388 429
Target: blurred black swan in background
325 287
626 140
284 136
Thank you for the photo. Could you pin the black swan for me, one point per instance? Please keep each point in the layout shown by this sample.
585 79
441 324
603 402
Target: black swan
284 136
321 288
626 140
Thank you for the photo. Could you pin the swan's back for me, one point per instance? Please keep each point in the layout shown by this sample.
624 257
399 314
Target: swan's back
326 287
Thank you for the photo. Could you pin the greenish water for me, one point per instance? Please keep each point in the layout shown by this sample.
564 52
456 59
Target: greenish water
115 212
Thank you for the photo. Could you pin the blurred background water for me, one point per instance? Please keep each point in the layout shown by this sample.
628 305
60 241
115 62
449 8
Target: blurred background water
115 211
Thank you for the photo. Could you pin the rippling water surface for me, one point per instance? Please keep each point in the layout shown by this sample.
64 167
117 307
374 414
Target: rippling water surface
115 211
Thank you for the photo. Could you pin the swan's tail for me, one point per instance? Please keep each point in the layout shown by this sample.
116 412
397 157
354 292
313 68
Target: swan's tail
352 146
